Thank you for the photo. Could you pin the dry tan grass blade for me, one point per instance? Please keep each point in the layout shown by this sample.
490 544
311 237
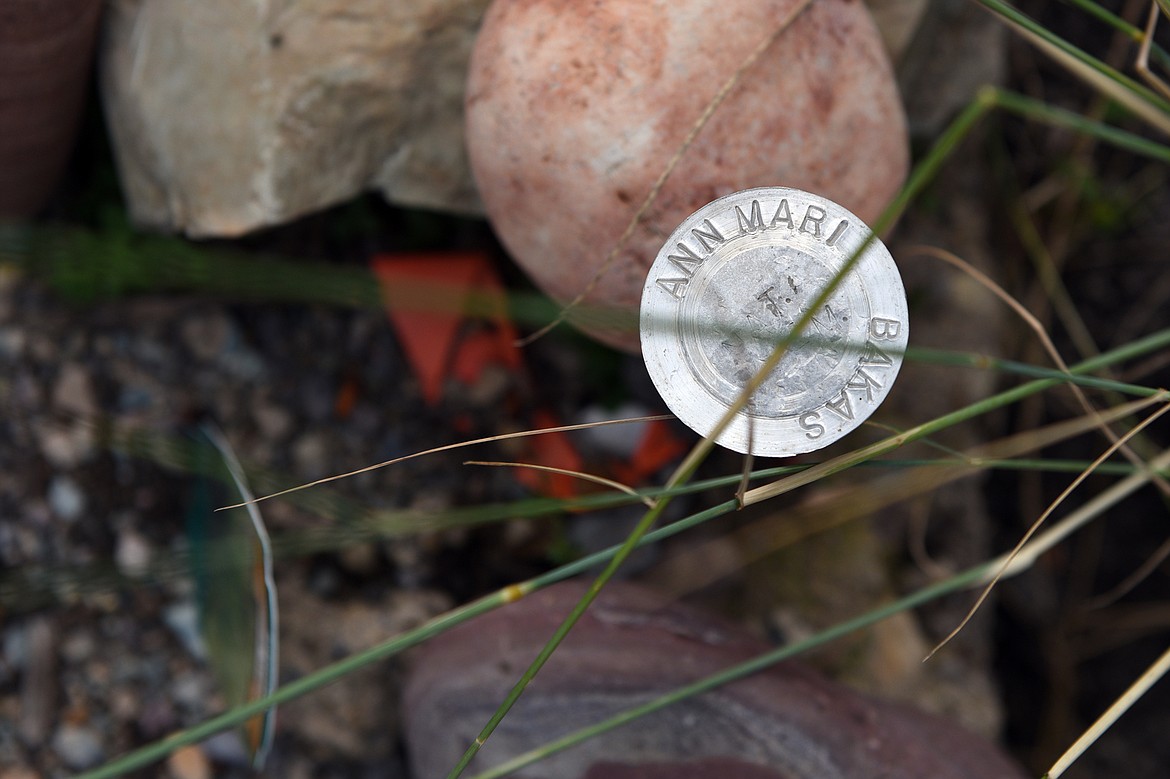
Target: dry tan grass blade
1139 688
1036 327
1005 566
589 477
761 538
1142 65
1096 79
449 447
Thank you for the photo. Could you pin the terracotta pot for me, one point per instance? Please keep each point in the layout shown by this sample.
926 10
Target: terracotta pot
46 48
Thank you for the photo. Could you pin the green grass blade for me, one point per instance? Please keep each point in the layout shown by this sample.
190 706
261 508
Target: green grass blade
324 676
1136 97
977 575
742 670
1059 117
1135 34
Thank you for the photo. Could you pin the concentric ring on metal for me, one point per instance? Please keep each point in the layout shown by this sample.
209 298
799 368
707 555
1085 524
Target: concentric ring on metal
733 280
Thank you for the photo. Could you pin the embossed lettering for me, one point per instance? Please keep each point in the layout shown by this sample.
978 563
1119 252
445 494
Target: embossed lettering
863 381
810 423
841 406
872 355
706 237
765 297
783 215
686 260
752 224
884 329
825 320
838 232
815 221
676 287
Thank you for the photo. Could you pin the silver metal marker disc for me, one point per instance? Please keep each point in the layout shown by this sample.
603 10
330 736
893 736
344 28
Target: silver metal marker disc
732 281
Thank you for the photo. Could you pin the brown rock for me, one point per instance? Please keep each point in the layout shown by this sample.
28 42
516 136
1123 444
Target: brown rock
631 646
46 47
229 116
575 109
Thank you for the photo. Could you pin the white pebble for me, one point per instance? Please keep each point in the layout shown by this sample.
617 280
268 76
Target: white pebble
77 746
66 499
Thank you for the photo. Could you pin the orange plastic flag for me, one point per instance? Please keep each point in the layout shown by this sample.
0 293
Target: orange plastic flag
451 315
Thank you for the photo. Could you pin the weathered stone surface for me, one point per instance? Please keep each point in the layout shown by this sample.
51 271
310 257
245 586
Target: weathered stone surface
45 51
574 111
783 723
229 116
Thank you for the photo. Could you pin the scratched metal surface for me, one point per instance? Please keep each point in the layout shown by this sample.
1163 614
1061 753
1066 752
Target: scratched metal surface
733 280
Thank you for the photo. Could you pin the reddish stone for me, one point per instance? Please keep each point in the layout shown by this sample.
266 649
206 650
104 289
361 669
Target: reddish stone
46 49
785 723
574 109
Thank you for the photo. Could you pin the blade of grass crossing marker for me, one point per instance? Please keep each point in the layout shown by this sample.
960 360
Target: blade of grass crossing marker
922 173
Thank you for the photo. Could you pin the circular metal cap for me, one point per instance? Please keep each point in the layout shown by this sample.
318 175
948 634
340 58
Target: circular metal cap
732 281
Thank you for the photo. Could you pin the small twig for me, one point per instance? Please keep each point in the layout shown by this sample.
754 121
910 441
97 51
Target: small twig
589 477
449 447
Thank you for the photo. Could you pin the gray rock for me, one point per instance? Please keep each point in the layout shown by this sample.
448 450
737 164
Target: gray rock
133 553
66 499
73 391
65 445
78 746
229 116
183 618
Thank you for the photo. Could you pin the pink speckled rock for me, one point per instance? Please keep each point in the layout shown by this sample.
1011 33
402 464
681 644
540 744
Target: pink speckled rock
575 108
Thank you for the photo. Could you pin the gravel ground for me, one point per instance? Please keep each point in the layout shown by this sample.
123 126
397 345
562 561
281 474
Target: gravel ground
99 649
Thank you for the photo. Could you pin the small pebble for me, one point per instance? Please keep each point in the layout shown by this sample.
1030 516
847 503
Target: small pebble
73 391
66 499
227 747
189 763
12 341
78 646
133 553
14 646
618 440
310 453
156 717
274 421
135 399
124 704
361 559
65 445
189 690
206 335
78 746
183 619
